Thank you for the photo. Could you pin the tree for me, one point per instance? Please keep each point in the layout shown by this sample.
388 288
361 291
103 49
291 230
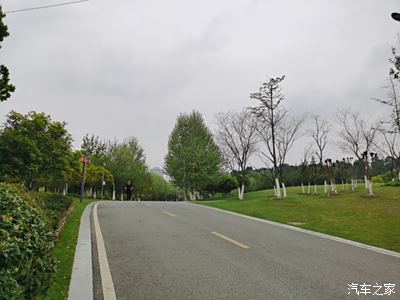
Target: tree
6 88
126 161
193 158
33 148
357 137
92 145
277 131
319 134
237 139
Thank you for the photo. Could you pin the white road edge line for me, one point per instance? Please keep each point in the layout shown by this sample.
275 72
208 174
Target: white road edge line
169 214
105 273
81 285
314 233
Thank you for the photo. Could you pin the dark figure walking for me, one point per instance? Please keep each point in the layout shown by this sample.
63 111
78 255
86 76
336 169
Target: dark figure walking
128 190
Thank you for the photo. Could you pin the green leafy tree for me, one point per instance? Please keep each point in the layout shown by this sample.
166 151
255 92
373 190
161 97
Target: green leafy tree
193 158
94 147
6 88
126 161
34 149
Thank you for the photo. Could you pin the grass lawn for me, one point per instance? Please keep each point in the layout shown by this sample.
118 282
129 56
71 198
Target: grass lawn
64 253
354 216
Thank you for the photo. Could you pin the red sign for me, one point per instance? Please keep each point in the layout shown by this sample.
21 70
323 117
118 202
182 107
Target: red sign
85 159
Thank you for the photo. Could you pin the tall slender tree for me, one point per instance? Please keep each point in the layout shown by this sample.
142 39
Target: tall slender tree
277 131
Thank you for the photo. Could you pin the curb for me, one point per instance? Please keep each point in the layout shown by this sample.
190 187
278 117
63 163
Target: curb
310 232
81 285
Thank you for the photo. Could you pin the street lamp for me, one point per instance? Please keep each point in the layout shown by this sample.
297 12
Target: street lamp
396 16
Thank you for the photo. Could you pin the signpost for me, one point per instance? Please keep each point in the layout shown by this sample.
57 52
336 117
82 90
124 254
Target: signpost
85 160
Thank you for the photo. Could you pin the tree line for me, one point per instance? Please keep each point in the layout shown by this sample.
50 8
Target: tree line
364 146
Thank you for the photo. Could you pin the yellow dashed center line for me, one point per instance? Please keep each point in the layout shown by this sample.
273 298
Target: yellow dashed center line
243 246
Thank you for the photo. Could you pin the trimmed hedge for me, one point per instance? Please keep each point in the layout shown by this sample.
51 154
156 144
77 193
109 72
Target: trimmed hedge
54 206
26 263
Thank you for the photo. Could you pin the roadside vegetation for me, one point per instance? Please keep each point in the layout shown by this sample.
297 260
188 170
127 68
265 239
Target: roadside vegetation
350 215
352 193
64 253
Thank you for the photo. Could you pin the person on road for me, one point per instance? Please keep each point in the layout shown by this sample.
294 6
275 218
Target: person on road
128 190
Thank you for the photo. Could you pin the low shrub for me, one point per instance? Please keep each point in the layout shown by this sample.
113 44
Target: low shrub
393 183
54 206
26 263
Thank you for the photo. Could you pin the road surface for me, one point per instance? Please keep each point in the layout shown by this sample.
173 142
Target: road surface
167 250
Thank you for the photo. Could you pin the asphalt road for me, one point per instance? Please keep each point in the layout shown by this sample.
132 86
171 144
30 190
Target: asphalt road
164 250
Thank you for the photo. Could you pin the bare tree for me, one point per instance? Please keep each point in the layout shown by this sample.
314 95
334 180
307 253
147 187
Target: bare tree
357 137
276 130
319 134
237 138
389 147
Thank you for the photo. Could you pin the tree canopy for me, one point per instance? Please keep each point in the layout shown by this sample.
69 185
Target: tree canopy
193 158
34 148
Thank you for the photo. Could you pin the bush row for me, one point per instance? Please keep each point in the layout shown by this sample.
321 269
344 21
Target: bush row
27 225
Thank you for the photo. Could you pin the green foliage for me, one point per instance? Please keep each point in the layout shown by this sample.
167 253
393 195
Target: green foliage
193 158
378 179
34 149
26 262
126 161
54 206
226 183
160 190
350 215
6 88
94 147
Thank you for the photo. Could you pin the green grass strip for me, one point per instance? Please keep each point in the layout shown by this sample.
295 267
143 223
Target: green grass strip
351 215
64 253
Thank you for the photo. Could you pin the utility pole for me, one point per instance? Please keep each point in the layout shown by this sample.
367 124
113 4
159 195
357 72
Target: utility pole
85 160
102 181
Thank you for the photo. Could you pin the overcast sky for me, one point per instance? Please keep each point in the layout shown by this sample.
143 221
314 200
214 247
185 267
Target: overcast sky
128 68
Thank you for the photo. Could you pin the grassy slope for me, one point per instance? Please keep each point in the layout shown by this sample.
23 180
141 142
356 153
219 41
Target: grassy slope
64 253
370 220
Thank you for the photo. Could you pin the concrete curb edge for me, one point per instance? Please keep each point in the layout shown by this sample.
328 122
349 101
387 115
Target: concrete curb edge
81 285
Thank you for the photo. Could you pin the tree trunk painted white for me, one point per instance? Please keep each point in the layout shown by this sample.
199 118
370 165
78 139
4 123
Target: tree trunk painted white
284 190
64 191
309 188
278 188
302 188
113 195
238 189
94 195
315 188
122 196
241 192
342 185
325 187
399 175
275 191
370 191
366 181
332 186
